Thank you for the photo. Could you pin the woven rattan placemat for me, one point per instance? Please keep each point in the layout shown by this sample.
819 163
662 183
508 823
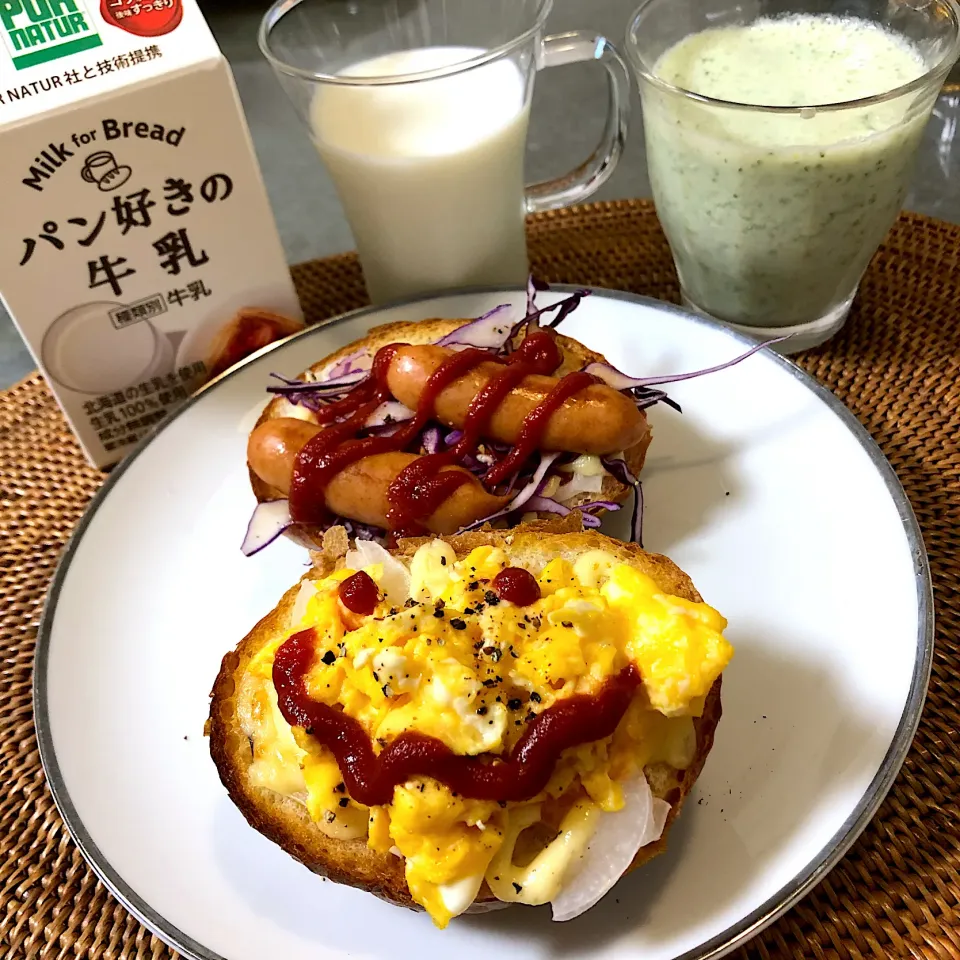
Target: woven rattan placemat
896 365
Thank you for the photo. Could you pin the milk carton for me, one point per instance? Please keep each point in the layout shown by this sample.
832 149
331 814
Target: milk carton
138 253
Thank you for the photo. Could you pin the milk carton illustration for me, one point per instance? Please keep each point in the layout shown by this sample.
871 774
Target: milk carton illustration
138 256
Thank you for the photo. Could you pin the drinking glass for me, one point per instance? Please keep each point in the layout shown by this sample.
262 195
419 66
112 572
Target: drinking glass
419 109
773 212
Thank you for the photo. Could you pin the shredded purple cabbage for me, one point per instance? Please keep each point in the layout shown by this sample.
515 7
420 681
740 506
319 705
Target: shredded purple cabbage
359 361
530 489
600 505
268 521
618 467
489 332
327 388
531 295
287 380
620 381
589 519
547 505
563 307
430 439
567 307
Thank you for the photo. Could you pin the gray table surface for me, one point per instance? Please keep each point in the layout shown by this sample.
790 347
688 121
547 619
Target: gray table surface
568 107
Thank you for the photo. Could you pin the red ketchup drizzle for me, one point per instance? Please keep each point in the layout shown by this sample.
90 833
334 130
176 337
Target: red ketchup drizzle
422 486
324 455
535 424
516 585
370 778
359 593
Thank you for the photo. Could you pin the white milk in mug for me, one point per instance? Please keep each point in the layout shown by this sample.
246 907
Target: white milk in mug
138 256
400 155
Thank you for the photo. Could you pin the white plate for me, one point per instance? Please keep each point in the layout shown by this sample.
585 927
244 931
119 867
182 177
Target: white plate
766 491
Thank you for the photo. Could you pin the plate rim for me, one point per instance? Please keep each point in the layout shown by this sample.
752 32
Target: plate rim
737 933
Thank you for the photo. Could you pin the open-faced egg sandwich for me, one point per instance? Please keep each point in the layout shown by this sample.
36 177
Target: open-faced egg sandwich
470 721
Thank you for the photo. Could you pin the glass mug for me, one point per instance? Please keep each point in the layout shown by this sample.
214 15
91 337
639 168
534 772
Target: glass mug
774 212
419 109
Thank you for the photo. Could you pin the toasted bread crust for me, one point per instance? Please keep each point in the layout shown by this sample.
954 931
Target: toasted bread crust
576 356
352 862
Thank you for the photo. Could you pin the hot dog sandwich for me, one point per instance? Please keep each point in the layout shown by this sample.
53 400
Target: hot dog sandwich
443 425
470 721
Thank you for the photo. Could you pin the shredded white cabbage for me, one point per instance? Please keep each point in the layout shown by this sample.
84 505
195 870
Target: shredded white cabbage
577 484
587 464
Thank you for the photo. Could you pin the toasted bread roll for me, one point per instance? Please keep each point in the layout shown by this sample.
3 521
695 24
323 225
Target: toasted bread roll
286 820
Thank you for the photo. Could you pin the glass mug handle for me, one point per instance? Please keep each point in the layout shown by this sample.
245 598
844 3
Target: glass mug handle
576 47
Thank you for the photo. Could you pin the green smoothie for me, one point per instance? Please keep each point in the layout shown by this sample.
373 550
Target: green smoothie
773 216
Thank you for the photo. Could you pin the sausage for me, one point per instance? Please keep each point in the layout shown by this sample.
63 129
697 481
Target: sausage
359 491
273 447
597 420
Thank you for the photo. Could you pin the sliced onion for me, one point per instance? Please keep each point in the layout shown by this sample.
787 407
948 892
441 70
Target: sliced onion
388 413
612 848
268 521
489 332
395 581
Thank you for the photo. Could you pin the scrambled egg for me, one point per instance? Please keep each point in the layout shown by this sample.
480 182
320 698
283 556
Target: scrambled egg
442 655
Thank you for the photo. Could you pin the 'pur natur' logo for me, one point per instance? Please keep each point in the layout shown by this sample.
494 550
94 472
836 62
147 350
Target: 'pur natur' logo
35 31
